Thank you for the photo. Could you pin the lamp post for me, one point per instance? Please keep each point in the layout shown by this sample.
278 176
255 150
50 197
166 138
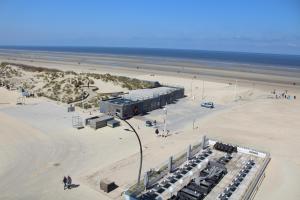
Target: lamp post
202 90
140 144
192 88
235 88
165 119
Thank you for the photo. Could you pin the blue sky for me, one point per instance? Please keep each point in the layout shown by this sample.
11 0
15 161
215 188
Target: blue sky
271 26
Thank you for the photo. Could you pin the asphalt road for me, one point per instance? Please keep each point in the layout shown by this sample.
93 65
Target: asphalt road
180 114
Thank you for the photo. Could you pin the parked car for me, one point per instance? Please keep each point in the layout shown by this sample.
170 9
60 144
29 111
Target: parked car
149 123
208 105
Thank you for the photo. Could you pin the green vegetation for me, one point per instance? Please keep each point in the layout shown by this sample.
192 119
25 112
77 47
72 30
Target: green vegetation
9 72
30 68
125 82
67 87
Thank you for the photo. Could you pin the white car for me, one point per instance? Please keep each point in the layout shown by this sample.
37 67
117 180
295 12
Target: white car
208 105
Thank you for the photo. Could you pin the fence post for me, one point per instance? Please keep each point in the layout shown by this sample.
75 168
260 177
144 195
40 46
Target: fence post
170 167
188 153
203 143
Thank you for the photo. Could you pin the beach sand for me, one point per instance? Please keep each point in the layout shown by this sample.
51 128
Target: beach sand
38 146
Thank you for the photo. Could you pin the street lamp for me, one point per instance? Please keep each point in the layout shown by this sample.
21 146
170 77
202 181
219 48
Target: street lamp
140 144
165 120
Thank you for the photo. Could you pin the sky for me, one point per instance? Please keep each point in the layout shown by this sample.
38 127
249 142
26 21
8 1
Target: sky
267 26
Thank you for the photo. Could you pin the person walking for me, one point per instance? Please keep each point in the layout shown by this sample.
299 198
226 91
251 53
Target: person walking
157 132
69 182
65 182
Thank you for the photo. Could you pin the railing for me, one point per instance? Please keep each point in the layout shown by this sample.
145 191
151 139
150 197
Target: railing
252 189
156 175
179 159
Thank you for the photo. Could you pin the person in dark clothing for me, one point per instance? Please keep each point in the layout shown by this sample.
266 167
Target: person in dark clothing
65 182
157 132
69 182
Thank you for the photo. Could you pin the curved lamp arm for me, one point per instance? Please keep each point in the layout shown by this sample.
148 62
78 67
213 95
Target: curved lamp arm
140 144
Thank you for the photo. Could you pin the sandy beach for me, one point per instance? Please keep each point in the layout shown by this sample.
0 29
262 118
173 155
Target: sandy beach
218 71
38 144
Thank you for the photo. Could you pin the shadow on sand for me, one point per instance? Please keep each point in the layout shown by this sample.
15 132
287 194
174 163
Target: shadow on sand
73 186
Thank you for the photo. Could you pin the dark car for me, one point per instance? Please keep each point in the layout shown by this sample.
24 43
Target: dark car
149 123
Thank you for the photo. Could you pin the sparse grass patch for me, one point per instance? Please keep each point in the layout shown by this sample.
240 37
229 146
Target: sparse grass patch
62 86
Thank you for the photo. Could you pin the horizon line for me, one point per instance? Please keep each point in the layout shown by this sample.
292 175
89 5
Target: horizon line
4 47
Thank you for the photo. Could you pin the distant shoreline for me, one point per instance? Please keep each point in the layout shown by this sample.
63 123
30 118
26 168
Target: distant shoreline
195 56
220 71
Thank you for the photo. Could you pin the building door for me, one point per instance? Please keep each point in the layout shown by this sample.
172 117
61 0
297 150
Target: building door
135 110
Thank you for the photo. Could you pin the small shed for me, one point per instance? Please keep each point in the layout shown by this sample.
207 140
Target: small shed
113 123
100 121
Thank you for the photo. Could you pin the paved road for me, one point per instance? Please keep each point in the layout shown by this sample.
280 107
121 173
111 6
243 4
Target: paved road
180 114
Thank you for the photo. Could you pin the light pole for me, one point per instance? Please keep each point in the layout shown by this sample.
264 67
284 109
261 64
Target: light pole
203 90
140 144
165 120
235 88
192 88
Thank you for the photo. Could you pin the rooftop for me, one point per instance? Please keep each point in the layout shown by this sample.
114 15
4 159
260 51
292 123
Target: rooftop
102 118
142 94
136 95
120 101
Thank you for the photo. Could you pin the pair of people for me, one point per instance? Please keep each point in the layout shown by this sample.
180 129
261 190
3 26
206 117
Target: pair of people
67 182
163 134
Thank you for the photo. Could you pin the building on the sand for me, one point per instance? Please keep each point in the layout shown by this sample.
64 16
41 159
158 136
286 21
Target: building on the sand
141 101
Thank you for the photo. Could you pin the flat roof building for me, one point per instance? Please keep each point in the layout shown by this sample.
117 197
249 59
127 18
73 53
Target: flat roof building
141 101
98 121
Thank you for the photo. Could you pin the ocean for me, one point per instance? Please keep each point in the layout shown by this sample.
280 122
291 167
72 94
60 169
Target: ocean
255 59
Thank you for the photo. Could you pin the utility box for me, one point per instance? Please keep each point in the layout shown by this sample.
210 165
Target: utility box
107 186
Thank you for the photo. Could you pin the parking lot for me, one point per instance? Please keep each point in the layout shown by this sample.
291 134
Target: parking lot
183 113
